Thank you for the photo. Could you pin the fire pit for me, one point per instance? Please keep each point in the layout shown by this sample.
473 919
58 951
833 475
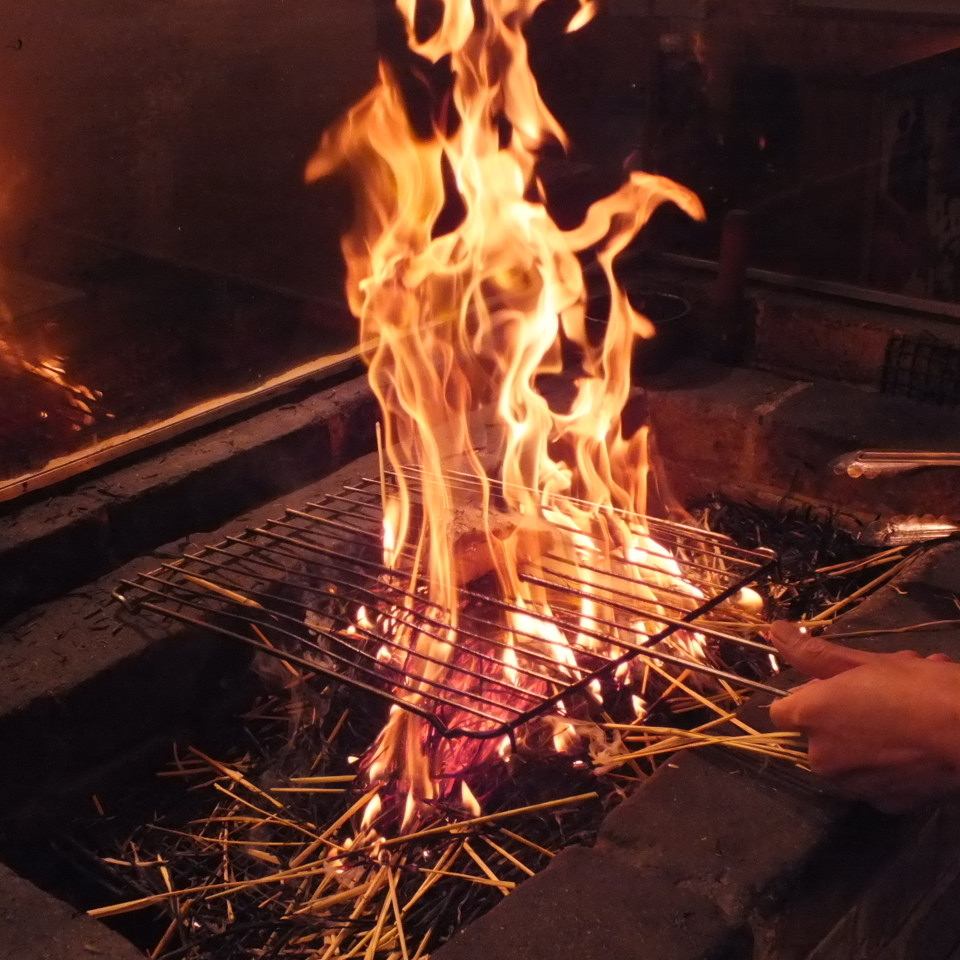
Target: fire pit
535 801
495 690
506 665
324 563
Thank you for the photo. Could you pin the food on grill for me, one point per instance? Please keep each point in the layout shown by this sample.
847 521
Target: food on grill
475 552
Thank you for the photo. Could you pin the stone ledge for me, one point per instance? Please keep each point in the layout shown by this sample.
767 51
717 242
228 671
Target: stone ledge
721 427
806 335
711 807
903 918
81 687
810 336
35 926
925 590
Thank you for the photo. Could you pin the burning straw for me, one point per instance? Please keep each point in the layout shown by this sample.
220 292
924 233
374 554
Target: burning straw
293 857
309 872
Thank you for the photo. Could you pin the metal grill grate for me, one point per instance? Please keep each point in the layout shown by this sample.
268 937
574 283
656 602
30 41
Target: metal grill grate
922 368
311 588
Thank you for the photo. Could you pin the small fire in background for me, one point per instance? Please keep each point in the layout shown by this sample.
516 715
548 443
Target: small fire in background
470 315
54 393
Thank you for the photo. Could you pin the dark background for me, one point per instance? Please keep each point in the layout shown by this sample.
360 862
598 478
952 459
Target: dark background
179 127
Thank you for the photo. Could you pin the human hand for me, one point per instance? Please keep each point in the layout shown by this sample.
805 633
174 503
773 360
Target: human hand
882 727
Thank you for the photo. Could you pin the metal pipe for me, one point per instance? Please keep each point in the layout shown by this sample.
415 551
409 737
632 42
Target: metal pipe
904 531
843 291
870 464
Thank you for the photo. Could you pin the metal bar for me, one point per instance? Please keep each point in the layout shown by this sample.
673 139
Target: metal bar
332 549
876 463
380 638
695 627
659 618
658 570
463 591
364 505
526 612
674 591
844 291
524 650
514 690
403 673
687 563
273 651
670 658
696 533
336 524
394 613
752 558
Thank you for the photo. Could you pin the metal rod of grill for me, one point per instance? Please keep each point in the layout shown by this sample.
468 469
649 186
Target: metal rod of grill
311 588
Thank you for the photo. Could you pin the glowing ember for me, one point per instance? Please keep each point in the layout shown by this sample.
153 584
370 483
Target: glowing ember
79 399
467 317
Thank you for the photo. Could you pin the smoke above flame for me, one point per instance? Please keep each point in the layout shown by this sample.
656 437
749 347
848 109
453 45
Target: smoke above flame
469 316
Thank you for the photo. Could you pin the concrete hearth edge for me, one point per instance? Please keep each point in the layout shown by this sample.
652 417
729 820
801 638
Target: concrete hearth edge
35 926
756 434
87 695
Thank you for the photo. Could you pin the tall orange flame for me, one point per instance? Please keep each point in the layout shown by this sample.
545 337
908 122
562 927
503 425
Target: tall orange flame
78 398
471 316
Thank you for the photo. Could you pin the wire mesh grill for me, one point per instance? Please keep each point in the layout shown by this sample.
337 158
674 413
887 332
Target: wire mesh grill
311 588
922 368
